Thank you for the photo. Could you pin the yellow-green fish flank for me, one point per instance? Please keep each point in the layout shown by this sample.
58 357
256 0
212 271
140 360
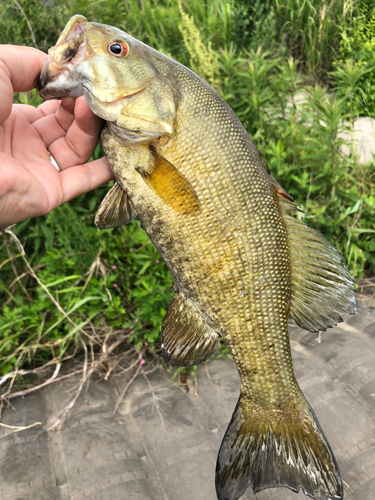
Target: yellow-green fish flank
241 262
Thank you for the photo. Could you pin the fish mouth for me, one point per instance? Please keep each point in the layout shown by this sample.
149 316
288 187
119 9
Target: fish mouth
56 79
59 76
114 98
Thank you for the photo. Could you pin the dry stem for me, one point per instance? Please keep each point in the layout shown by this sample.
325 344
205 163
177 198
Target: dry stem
107 339
130 381
209 377
17 428
155 398
27 22
33 274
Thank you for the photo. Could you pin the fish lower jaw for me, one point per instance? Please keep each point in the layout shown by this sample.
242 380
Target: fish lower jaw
55 90
56 81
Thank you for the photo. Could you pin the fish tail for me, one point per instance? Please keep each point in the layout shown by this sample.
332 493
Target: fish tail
268 448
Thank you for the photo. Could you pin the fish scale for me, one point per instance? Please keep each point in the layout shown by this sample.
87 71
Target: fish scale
244 174
241 261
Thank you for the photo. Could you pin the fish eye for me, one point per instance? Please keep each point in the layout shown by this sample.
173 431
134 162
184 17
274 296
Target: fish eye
119 49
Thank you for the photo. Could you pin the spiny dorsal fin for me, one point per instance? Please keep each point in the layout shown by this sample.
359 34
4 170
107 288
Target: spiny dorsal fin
322 289
280 191
115 209
186 338
170 185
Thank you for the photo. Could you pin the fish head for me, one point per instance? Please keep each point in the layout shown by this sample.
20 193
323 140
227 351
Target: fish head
115 73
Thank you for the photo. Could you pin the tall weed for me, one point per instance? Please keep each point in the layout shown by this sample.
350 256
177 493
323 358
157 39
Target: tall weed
202 59
311 30
298 129
356 58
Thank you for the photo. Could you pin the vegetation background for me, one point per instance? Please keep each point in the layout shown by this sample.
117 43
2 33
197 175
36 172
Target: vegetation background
298 73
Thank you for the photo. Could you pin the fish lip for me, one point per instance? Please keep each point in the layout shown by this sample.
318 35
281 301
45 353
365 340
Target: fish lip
51 80
55 81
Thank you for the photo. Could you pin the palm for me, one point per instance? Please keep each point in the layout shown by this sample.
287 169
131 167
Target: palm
30 185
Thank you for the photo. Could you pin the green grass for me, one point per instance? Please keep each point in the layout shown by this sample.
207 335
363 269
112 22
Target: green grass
261 57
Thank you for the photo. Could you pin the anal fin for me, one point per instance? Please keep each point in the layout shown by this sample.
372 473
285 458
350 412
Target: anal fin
115 209
186 338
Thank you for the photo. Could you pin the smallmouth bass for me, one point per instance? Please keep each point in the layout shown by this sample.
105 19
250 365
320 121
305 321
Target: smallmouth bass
241 262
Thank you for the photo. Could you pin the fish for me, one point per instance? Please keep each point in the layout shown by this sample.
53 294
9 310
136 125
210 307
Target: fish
242 262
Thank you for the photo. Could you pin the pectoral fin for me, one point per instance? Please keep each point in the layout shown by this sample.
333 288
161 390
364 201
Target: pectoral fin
170 185
115 210
186 338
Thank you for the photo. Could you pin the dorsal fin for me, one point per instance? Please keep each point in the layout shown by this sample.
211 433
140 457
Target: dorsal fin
186 338
280 191
170 185
322 289
115 209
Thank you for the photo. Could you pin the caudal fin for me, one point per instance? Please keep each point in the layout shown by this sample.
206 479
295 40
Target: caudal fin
271 448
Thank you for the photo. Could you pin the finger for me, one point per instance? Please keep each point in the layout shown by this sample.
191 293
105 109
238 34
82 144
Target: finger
81 138
68 103
49 107
83 178
19 71
54 126
31 113
86 120
23 64
22 139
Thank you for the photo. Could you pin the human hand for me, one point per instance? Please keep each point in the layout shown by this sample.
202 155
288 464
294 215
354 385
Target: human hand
29 184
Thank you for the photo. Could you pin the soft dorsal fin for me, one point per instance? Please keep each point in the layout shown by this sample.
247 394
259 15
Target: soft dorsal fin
115 209
322 289
170 185
186 338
